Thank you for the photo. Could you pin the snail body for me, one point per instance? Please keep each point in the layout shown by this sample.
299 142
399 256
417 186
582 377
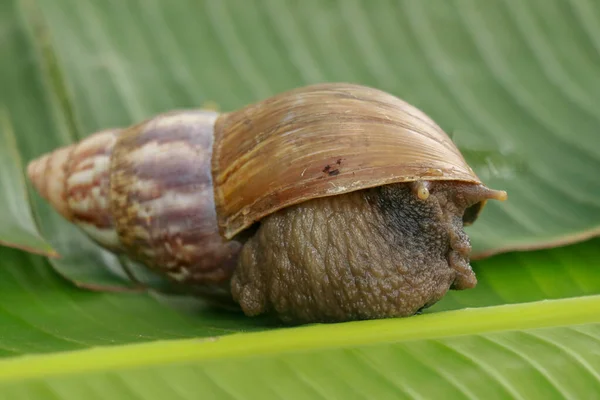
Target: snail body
331 202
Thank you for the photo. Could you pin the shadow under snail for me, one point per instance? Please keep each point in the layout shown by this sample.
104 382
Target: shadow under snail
331 202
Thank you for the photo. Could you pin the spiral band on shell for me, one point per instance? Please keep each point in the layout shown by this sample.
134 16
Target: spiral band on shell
162 197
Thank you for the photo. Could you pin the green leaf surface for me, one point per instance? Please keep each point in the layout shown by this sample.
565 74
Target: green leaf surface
40 312
36 113
514 83
524 277
35 302
33 113
498 365
17 226
394 358
529 316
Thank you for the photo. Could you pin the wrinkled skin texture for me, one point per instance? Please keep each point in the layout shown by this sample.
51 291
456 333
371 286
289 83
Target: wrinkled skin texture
374 253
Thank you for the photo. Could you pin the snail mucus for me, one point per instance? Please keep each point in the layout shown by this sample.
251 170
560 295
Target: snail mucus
331 202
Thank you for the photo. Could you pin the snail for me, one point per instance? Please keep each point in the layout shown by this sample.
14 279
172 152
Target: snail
326 203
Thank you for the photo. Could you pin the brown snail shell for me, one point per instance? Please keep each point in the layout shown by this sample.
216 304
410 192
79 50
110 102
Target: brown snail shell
181 191
327 139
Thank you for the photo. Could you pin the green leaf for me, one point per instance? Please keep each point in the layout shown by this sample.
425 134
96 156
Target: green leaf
41 312
37 113
513 82
36 303
492 366
32 113
536 317
523 277
17 226
482 351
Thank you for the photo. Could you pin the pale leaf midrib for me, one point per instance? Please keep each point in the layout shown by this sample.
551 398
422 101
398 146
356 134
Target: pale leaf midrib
541 314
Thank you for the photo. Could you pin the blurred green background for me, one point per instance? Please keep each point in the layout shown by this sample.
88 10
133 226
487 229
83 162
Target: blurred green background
516 83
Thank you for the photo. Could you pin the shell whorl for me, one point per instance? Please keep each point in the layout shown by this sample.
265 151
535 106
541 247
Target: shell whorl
162 198
75 181
145 191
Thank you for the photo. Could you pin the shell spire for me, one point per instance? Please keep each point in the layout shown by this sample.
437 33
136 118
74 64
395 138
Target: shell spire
75 181
47 174
145 191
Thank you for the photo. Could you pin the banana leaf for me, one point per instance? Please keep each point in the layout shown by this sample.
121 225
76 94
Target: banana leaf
513 82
